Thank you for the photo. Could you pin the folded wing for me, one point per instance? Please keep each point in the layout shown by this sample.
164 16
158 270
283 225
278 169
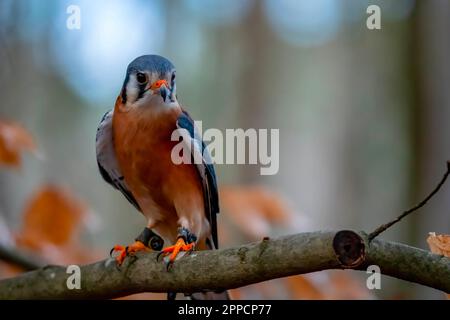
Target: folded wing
107 161
206 173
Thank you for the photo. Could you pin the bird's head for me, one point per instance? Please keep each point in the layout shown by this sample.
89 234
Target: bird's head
150 81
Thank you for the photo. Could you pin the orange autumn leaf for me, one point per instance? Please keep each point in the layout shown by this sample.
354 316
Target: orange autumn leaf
439 244
14 139
52 215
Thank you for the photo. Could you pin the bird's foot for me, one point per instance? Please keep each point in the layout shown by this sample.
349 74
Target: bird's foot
179 246
130 250
185 243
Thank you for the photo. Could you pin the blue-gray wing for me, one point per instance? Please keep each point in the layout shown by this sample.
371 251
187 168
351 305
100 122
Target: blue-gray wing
206 172
107 160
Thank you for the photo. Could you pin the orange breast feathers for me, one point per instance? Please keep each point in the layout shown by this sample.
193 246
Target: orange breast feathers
166 192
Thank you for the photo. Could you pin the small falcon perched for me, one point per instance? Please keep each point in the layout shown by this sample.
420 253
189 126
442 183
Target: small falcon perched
134 146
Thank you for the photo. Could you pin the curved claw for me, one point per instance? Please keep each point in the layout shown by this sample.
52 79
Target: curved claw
158 255
169 265
116 248
126 251
179 246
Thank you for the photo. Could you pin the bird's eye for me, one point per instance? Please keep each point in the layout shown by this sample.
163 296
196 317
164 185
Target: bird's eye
141 78
173 79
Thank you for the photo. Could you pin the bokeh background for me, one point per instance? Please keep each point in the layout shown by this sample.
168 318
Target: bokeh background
363 114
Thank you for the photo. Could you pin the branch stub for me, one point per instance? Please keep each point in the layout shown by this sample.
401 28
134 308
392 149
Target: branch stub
349 248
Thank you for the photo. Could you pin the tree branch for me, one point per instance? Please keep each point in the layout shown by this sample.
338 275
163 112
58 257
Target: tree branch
13 255
236 267
422 203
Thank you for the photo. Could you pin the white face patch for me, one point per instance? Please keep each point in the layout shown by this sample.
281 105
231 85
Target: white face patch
132 90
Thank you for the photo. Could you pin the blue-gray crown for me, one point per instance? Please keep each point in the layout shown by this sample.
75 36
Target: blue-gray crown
150 62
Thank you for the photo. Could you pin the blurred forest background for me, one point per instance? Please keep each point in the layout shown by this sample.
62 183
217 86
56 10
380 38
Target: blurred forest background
363 117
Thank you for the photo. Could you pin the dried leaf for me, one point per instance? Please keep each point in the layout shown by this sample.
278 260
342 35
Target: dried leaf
14 139
51 216
439 244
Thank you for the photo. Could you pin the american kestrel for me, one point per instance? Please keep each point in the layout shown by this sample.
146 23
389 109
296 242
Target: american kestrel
134 147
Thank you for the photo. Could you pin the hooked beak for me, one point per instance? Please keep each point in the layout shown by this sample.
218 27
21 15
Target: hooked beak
161 87
163 91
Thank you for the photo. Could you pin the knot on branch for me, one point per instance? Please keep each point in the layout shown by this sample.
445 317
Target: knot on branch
349 248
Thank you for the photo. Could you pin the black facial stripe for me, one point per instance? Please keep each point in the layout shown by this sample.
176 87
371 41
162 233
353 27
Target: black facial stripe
124 89
172 89
141 91
124 95
172 79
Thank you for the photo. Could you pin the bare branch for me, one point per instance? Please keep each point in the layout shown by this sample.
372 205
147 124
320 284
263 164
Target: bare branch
386 226
235 267
21 259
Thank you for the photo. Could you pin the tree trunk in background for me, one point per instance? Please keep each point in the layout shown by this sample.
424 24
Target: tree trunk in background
254 38
433 25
